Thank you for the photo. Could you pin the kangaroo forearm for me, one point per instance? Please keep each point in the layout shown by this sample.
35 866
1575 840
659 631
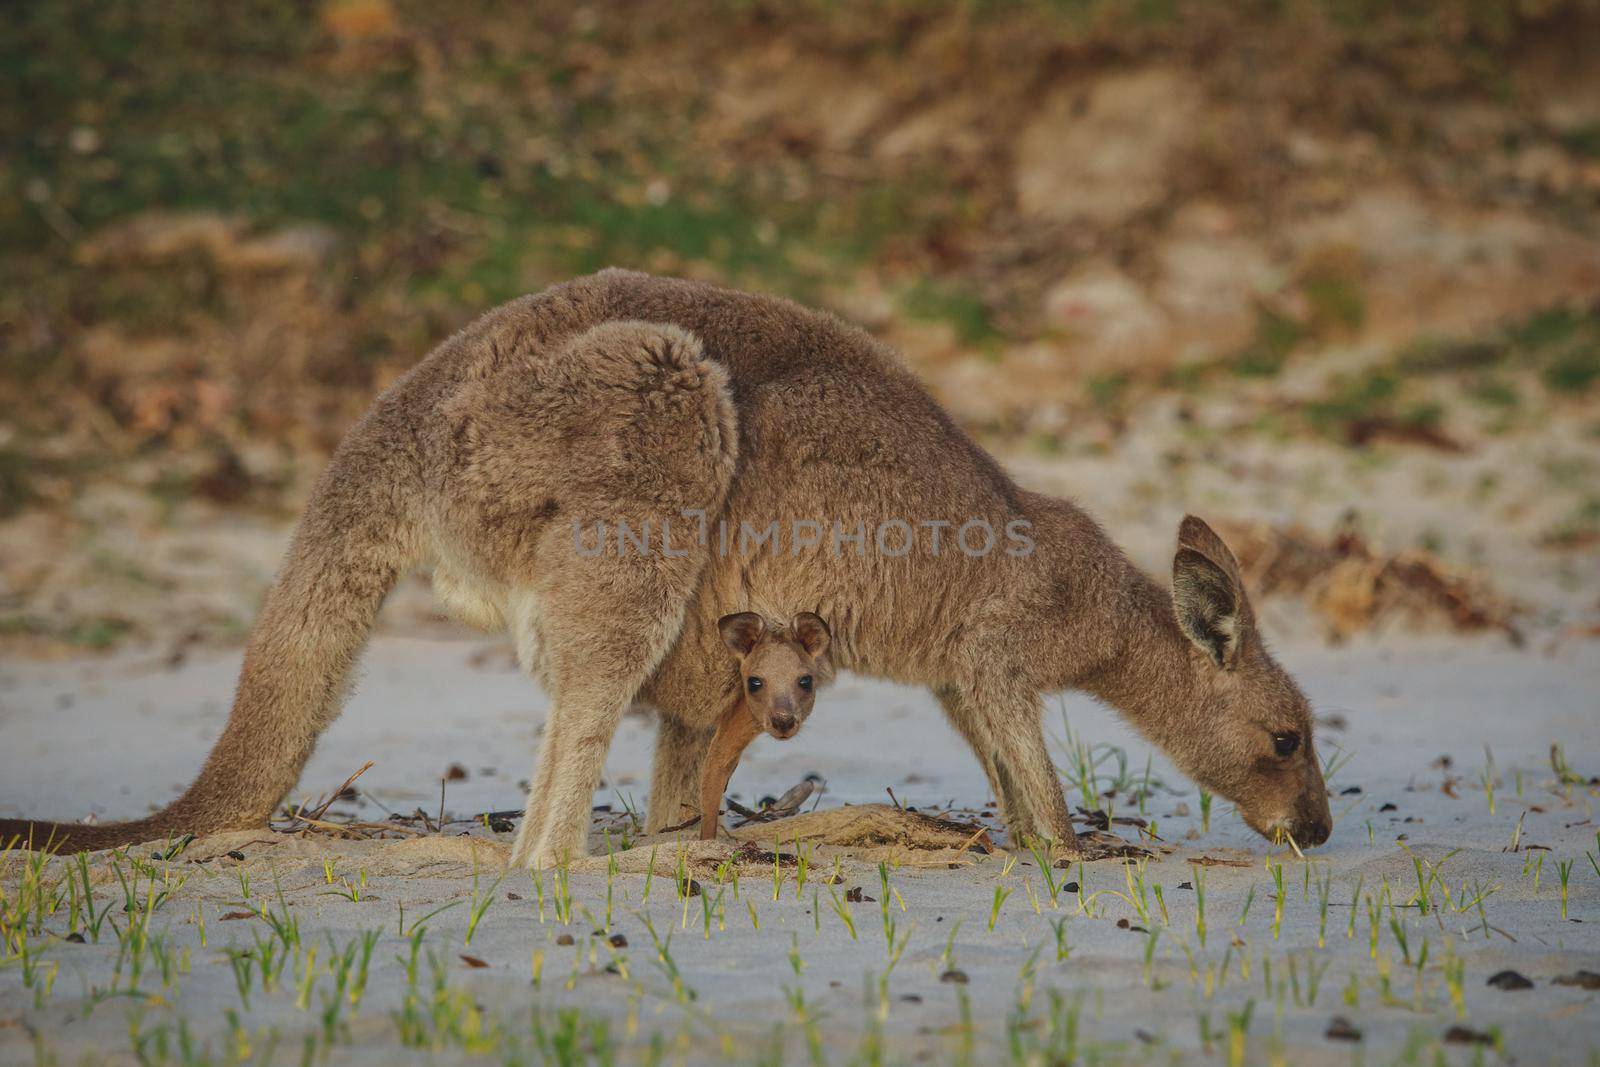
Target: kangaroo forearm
733 736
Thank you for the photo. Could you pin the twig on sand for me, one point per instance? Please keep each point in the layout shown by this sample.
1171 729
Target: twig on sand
314 816
781 808
322 809
510 813
693 820
1098 845
790 802
359 830
981 832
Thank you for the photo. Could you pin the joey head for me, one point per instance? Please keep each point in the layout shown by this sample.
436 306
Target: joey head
778 680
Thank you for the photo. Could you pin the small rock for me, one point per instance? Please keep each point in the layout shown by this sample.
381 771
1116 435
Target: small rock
236 855
954 977
1581 979
1509 981
1341 1029
75 937
619 941
456 773
564 939
1463 1035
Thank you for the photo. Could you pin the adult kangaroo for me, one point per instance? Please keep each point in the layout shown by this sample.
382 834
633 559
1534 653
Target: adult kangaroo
606 468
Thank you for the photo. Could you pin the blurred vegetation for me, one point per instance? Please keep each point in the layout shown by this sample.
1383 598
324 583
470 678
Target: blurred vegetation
1559 349
223 229
433 160
170 106
466 186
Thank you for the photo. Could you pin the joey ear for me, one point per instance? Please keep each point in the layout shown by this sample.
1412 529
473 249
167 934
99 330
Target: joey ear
741 630
812 633
1210 606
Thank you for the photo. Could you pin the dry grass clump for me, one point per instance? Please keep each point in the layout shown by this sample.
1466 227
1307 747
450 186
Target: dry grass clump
1353 586
876 832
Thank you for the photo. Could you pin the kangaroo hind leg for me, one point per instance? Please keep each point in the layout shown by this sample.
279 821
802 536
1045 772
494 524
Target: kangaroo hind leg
603 627
601 630
628 425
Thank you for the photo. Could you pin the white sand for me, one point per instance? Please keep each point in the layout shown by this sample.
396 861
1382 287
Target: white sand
115 735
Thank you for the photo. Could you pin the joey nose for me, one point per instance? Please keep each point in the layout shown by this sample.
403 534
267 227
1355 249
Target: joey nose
783 723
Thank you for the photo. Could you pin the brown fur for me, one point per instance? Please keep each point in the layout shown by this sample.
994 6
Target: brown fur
780 660
626 397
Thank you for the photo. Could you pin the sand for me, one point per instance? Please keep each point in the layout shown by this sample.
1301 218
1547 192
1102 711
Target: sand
966 958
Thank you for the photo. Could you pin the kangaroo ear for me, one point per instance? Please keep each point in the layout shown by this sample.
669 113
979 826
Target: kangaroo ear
1208 593
741 631
1193 532
812 633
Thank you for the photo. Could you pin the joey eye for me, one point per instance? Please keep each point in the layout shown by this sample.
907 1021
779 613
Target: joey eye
1285 744
805 682
754 683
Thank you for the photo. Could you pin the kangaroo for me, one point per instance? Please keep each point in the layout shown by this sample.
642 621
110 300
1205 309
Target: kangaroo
681 417
777 686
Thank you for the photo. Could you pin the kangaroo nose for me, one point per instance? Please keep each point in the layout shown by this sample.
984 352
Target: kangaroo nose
1316 832
782 722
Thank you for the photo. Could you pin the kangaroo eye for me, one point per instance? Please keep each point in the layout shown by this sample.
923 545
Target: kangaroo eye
1285 744
754 683
805 682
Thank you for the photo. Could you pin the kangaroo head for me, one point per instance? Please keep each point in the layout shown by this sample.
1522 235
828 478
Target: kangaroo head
1255 748
777 666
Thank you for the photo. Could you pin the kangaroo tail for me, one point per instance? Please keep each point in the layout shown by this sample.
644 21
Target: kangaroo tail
347 553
